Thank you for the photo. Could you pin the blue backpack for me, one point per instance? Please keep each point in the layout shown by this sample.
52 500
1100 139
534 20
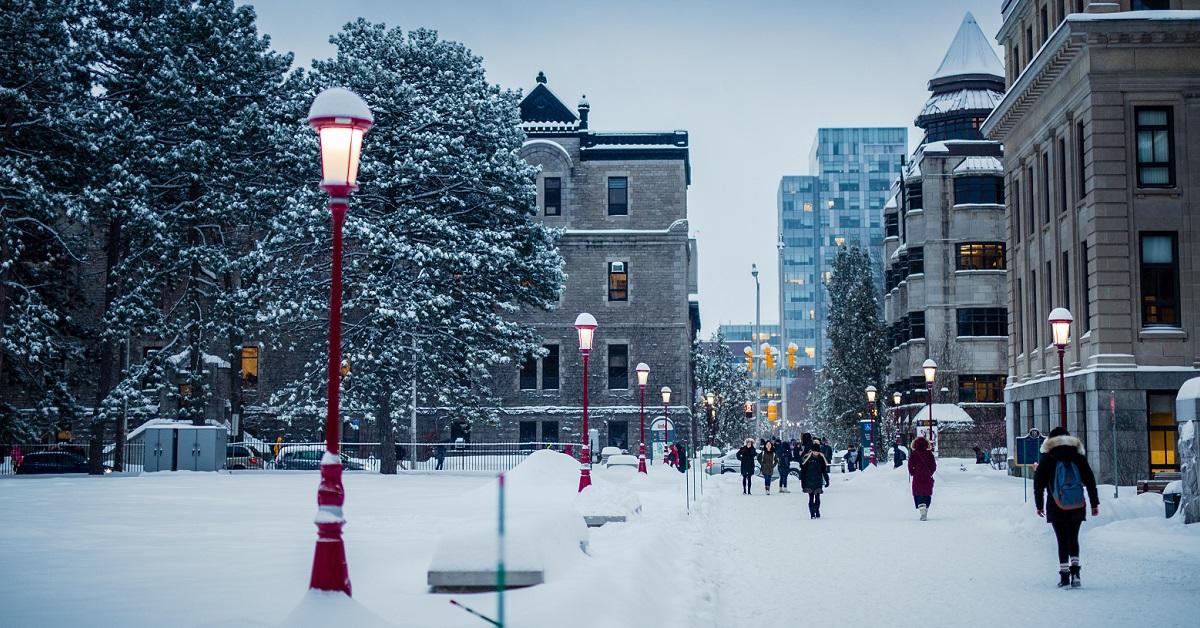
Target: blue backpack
1068 487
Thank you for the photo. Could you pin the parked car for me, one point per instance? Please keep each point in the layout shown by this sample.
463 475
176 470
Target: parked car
42 462
730 464
242 456
608 452
309 459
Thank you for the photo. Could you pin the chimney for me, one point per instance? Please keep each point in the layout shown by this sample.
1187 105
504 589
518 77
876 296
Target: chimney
584 109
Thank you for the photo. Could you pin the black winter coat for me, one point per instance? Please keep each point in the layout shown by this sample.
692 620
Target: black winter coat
1055 450
814 471
784 456
747 455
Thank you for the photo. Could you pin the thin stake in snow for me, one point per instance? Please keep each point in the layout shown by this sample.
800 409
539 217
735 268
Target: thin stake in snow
500 559
476 613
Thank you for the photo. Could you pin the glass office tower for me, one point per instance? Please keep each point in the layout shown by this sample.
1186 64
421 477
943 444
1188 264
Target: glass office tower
838 205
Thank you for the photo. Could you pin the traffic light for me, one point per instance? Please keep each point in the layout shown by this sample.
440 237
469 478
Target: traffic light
748 408
792 349
768 355
749 359
772 412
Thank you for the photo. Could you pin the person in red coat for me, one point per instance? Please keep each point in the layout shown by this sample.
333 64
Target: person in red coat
921 466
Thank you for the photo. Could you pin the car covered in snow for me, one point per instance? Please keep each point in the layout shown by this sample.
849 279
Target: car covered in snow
308 458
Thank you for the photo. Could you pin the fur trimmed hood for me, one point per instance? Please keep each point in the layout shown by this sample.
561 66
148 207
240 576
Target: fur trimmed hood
1063 441
919 443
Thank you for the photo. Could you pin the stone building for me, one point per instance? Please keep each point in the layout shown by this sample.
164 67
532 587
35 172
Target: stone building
621 200
1099 164
944 272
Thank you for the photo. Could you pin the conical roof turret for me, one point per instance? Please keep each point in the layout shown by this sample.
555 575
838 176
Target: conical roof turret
971 55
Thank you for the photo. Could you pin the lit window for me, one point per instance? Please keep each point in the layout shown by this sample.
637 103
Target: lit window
1162 430
981 256
840 241
830 203
250 367
811 352
1160 280
807 206
618 281
812 314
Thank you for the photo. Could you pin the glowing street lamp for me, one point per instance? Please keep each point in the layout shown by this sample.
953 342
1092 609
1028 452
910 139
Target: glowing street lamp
340 118
643 375
1060 326
666 399
585 326
930 368
871 393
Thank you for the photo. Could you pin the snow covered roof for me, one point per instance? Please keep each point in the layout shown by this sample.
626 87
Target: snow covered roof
980 165
891 202
912 170
970 54
209 359
961 100
944 414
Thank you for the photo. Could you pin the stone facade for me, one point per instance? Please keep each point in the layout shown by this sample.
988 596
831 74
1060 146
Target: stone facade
1100 175
657 320
944 242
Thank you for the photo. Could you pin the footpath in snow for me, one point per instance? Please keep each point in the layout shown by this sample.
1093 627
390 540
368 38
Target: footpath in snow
235 549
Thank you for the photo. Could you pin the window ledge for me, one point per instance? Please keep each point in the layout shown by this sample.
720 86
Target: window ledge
986 271
1162 333
988 338
1172 192
914 211
999 206
916 276
624 303
891 239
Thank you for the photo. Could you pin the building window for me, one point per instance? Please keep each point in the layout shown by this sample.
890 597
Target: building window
1016 209
1046 185
1062 175
1080 153
1160 280
808 206
1031 200
978 190
915 196
1049 279
1155 150
981 256
1162 429
249 367
981 388
618 281
550 368
1034 315
1066 281
891 225
1045 24
618 367
1151 5
916 260
1018 296
618 196
549 431
982 321
528 376
1086 283
916 325
552 196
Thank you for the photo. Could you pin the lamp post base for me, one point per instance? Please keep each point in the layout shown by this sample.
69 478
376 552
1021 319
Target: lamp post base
329 571
642 458
585 468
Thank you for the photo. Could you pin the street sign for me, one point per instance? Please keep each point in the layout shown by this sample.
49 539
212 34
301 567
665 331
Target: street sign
1029 448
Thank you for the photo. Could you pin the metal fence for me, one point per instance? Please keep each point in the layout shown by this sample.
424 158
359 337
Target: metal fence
460 456
41 458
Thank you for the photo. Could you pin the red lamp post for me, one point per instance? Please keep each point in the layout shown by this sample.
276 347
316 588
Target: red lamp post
1060 325
585 326
871 392
340 119
643 375
930 370
666 399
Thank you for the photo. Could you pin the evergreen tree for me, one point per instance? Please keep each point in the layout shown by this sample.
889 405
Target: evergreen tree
717 370
45 107
857 355
190 91
442 246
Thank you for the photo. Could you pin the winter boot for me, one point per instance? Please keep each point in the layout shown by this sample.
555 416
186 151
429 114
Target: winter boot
1075 583
1064 576
812 511
924 512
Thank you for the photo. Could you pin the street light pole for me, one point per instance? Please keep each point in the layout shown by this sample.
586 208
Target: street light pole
666 399
754 342
930 370
643 375
1060 325
340 118
585 326
871 392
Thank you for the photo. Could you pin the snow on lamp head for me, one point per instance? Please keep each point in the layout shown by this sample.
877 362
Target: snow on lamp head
896 398
585 325
930 368
643 374
341 118
666 395
710 398
871 392
1060 325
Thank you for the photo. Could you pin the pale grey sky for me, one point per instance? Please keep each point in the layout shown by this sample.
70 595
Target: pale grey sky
751 81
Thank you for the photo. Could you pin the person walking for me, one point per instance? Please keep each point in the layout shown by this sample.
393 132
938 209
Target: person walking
978 454
766 462
746 456
898 455
439 452
851 458
814 478
921 467
681 460
1063 473
785 466
826 450
806 441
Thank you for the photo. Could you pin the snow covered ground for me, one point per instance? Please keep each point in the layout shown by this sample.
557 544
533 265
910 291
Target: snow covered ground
221 549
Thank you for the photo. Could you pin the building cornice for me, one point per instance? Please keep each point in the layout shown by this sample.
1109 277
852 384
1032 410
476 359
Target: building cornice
1063 47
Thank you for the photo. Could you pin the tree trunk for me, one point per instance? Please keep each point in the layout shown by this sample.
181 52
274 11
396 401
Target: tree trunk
236 340
104 366
4 279
387 437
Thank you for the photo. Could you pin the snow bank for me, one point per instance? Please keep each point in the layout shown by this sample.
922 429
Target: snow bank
550 539
606 499
321 609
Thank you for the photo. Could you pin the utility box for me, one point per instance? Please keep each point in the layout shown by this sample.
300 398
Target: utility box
183 447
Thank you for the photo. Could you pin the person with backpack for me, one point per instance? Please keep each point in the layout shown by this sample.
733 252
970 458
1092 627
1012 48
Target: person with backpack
785 464
767 461
1063 473
746 456
814 478
921 467
898 455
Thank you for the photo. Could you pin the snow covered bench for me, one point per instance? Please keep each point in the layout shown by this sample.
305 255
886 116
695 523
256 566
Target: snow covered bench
1158 483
